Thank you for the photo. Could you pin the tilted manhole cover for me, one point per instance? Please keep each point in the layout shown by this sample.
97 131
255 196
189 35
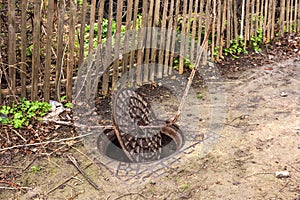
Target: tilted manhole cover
128 150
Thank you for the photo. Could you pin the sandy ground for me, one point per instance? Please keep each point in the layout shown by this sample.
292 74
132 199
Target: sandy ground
260 136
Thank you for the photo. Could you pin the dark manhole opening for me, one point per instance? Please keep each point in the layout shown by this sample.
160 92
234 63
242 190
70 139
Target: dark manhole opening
109 146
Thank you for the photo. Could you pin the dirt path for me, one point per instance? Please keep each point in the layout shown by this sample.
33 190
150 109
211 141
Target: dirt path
261 136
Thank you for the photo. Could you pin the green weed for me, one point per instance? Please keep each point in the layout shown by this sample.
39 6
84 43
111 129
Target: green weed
256 41
19 115
35 169
236 47
184 187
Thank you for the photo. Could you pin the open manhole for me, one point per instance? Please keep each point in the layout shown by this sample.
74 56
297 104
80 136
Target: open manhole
109 146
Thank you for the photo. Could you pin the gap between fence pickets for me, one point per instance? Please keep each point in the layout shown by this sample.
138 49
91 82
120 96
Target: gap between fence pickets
189 83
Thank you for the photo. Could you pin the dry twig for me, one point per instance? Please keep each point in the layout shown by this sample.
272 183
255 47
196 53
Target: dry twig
13 185
76 164
65 181
46 142
131 193
187 88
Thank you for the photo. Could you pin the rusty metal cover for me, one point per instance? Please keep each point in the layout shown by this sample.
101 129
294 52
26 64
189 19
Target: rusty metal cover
131 113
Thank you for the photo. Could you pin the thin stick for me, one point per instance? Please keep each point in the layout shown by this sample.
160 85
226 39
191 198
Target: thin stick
46 142
13 185
65 181
13 167
131 193
285 185
259 173
187 88
76 164
11 188
18 134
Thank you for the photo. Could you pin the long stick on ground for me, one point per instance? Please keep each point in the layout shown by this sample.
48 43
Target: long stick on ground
76 164
187 88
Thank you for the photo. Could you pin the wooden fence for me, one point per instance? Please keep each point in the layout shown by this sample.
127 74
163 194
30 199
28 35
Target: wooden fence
43 43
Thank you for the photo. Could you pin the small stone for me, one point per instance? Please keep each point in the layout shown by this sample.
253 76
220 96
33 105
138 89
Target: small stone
236 183
282 174
268 68
211 64
283 94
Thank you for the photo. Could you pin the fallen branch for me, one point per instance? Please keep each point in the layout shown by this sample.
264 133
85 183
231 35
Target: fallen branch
11 188
66 123
18 134
46 142
187 88
13 185
259 173
131 193
76 164
65 181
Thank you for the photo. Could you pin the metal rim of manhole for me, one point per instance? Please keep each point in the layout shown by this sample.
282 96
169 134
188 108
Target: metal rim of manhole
110 149
188 128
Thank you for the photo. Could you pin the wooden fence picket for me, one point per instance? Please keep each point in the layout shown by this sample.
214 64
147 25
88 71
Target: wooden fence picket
64 32
23 48
50 17
60 48
71 58
12 45
36 64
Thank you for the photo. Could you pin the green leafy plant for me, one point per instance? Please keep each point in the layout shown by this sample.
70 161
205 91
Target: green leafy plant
151 189
66 103
19 115
176 63
256 41
186 63
236 47
216 51
29 50
35 169
200 96
184 187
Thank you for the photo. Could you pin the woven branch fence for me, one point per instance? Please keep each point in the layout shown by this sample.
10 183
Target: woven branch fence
44 42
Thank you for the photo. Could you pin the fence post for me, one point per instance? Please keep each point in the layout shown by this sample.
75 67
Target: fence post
213 31
182 43
82 31
295 15
60 45
298 16
169 51
36 49
0 55
281 17
273 19
12 45
71 51
117 44
48 50
163 36
105 76
23 48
